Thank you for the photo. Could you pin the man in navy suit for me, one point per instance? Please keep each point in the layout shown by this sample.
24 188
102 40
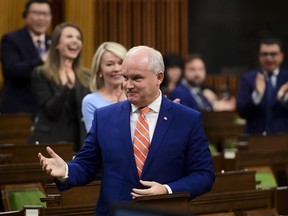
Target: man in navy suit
178 159
263 92
21 52
189 90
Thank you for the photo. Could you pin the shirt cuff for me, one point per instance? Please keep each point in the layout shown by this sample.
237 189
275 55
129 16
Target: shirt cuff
168 189
256 98
284 99
64 179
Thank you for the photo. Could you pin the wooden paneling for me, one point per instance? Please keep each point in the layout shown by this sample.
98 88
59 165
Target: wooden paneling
161 24
21 154
15 128
82 14
222 83
11 19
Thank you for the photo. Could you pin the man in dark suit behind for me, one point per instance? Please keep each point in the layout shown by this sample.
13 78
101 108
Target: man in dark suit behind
190 89
178 157
263 92
21 51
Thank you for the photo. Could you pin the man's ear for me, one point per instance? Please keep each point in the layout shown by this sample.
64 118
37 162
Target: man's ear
160 77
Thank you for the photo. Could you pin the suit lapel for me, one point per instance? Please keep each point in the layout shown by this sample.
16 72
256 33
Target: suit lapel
123 123
164 120
28 43
281 79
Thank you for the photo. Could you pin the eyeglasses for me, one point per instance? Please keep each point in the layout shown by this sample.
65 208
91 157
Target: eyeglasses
266 54
40 13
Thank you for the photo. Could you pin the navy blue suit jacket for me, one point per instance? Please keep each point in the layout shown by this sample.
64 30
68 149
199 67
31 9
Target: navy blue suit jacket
178 156
19 57
186 98
255 114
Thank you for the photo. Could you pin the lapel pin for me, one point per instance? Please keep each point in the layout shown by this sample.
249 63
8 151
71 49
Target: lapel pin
165 118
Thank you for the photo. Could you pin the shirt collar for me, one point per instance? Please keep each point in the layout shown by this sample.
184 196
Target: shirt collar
35 37
155 105
274 73
194 89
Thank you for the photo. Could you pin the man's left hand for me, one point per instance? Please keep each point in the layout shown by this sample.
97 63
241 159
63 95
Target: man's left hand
154 189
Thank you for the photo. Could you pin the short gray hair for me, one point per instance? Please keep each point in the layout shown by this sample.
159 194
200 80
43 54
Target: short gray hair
155 59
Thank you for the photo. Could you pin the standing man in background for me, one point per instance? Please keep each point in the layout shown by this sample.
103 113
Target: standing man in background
21 51
263 92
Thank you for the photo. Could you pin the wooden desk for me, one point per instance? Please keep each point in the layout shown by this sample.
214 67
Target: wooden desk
174 202
15 128
282 197
270 143
87 210
233 191
271 150
15 154
222 126
223 163
73 197
22 173
234 181
236 201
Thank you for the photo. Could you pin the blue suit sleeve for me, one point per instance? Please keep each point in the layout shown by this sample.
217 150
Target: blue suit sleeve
87 163
245 104
200 175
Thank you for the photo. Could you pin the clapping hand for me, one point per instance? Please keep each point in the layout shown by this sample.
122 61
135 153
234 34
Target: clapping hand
260 83
282 91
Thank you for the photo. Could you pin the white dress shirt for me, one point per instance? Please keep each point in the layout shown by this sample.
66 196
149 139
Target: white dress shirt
151 117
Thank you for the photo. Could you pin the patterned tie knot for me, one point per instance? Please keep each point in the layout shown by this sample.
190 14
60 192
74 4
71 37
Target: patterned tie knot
144 111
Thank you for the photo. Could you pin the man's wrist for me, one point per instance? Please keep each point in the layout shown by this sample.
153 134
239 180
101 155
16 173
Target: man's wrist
168 189
64 178
284 99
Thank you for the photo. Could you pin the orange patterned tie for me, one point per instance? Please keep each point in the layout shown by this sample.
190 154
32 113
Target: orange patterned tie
141 140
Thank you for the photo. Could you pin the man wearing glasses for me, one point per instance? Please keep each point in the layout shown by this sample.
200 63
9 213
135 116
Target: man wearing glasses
263 93
22 51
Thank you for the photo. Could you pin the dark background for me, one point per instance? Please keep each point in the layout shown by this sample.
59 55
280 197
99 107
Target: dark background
227 32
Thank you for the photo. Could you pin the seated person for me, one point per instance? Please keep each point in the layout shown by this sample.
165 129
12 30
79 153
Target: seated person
174 66
192 93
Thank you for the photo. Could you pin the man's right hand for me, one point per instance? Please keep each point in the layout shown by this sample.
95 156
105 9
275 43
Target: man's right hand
55 166
260 83
282 91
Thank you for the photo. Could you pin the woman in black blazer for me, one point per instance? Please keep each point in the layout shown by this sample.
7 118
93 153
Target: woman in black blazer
59 86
